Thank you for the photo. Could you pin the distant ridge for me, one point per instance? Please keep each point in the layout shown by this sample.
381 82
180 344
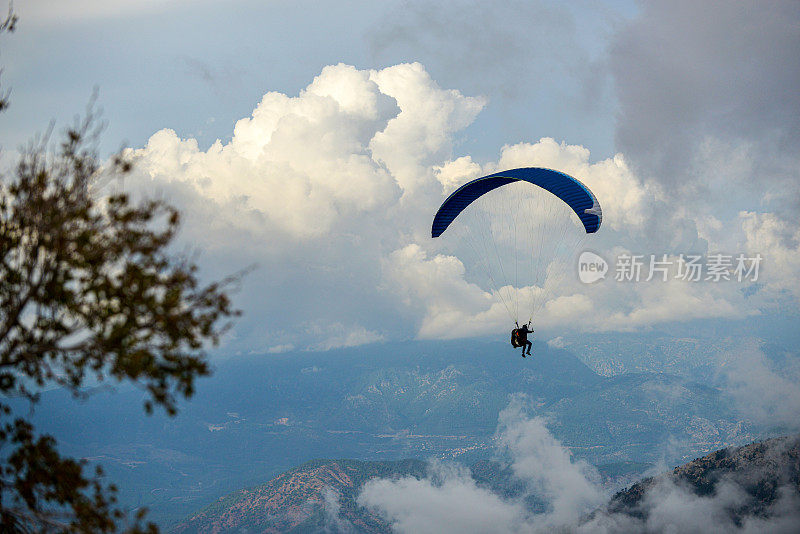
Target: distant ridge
304 499
320 496
261 415
762 469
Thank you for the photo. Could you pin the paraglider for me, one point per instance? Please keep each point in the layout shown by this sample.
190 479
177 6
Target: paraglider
517 225
519 338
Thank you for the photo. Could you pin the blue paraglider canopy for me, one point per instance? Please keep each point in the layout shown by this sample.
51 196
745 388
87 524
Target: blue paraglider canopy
576 195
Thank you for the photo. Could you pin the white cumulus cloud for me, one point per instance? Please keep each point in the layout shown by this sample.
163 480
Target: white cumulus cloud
449 500
331 193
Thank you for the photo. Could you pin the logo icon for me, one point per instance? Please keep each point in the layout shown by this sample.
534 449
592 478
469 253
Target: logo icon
591 267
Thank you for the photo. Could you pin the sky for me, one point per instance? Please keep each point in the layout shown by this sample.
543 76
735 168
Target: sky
315 141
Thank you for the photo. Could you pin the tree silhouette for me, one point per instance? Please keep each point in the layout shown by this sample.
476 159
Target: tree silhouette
88 292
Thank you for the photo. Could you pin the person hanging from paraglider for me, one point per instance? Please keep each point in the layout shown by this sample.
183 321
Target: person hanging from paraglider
519 337
544 211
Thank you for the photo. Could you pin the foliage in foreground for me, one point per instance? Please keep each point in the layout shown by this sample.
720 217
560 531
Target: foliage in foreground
88 292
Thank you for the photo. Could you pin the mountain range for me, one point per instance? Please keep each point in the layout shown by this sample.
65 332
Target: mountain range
262 414
322 495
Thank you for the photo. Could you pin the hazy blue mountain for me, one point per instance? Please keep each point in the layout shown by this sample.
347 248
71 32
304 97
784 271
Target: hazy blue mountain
262 414
694 355
321 495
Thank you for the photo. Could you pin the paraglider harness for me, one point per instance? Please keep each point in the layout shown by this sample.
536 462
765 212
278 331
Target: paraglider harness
519 336
515 338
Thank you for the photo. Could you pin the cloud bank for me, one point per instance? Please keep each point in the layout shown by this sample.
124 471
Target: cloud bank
449 500
763 389
331 193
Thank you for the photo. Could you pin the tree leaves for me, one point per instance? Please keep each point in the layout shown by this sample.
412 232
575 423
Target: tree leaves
88 290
